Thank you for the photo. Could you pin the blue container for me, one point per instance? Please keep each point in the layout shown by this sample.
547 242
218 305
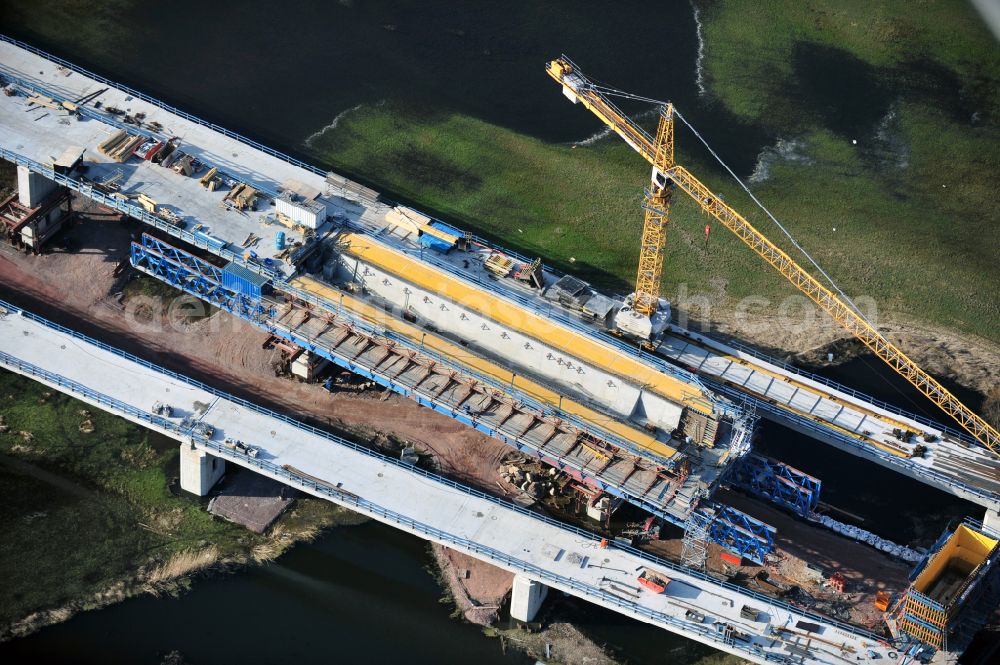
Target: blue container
238 279
279 241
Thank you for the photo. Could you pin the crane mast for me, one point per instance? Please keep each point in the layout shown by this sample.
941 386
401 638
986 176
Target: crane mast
659 152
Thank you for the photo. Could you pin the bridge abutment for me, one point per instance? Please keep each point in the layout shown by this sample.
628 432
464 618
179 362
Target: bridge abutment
526 598
199 470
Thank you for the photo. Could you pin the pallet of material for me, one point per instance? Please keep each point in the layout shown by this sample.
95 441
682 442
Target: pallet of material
112 141
241 196
184 165
339 182
126 148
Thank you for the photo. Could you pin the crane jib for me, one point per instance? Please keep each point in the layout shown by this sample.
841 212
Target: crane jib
575 84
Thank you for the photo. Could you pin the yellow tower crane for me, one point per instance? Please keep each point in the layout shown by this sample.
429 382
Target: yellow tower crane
659 152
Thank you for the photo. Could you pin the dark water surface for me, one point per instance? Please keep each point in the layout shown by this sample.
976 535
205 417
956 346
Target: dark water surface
359 594
279 73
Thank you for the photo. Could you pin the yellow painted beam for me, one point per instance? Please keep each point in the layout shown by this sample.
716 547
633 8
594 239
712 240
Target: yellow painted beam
517 318
461 356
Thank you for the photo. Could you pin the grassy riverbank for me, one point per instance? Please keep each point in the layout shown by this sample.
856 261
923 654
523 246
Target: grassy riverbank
89 517
904 215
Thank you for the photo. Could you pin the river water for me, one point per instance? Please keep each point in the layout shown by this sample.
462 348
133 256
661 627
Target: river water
279 73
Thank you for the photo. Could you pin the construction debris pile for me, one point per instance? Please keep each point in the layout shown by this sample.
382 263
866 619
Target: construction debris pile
881 544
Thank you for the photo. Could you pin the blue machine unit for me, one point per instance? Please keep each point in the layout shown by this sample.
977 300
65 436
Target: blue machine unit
243 280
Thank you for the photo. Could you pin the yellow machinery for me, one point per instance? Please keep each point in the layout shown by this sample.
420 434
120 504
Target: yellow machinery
659 152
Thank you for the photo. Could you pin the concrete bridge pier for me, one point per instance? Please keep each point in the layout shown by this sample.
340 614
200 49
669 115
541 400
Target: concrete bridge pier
992 519
526 598
199 470
33 188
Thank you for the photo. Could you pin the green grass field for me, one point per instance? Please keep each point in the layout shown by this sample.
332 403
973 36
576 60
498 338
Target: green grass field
921 239
83 511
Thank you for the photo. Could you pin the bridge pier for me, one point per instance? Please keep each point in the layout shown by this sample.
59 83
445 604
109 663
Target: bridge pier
526 598
992 519
33 188
199 470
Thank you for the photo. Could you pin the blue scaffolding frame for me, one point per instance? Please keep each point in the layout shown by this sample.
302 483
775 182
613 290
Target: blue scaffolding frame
777 482
740 533
195 276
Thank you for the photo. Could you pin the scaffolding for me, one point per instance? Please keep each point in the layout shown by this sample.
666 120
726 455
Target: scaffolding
777 482
192 275
695 551
941 600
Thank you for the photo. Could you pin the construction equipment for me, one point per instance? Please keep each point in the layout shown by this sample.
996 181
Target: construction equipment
667 174
654 581
148 204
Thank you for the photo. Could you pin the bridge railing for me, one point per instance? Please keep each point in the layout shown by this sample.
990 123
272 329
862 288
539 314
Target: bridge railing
166 107
588 535
869 450
847 390
132 210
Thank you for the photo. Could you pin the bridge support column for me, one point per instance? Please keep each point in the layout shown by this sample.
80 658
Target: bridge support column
526 598
992 519
199 470
32 188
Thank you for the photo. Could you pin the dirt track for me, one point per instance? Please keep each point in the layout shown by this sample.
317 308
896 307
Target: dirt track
77 290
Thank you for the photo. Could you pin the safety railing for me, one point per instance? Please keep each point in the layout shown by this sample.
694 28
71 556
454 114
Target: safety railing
166 107
88 393
847 390
824 431
429 532
132 210
470 491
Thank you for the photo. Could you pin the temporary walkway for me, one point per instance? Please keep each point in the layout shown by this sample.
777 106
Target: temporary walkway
429 506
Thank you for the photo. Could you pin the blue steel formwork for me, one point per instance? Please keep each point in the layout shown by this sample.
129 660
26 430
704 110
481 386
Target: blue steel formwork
730 528
737 531
195 276
777 482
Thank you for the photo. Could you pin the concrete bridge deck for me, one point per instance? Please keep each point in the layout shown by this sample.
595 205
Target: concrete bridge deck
426 505
35 137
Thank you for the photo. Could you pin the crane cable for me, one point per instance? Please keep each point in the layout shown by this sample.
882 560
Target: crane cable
774 219
619 93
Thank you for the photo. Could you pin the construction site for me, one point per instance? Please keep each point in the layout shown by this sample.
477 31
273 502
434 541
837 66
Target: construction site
587 413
